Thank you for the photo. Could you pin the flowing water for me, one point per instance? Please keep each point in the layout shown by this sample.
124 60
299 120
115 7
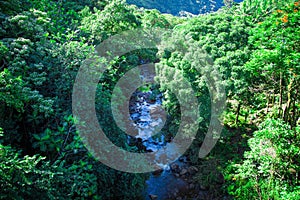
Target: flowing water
174 180
149 117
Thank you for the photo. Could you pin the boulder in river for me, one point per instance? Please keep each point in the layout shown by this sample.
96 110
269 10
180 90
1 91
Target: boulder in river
156 109
135 116
192 170
191 186
174 167
157 172
203 187
153 197
183 172
132 141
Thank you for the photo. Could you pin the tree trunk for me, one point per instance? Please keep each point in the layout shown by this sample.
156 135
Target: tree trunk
294 111
237 113
246 115
280 96
274 98
268 102
286 112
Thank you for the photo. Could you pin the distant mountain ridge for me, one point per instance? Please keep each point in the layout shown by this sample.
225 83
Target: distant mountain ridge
174 7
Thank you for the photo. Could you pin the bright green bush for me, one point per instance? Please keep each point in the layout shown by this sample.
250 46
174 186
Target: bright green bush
23 177
270 170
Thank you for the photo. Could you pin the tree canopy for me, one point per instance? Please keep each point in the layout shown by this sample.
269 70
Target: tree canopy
251 51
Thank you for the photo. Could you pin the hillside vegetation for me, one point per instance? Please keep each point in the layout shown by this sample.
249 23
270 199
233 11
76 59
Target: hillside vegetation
255 49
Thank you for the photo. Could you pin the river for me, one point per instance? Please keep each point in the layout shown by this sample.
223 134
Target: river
173 181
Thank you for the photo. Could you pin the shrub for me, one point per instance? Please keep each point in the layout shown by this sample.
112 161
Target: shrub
270 170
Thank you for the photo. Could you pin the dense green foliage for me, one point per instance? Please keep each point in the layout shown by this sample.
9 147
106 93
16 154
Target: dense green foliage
40 55
270 168
255 50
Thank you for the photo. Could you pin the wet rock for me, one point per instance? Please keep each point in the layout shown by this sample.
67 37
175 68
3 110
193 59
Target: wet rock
139 144
147 95
176 191
153 197
181 159
187 160
157 172
169 138
203 187
192 170
135 116
149 150
155 109
162 158
155 142
174 167
153 124
151 101
191 186
132 141
176 175
183 172
200 196
190 181
139 95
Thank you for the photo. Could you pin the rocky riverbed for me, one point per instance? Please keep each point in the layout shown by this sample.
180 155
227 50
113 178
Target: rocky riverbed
174 181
